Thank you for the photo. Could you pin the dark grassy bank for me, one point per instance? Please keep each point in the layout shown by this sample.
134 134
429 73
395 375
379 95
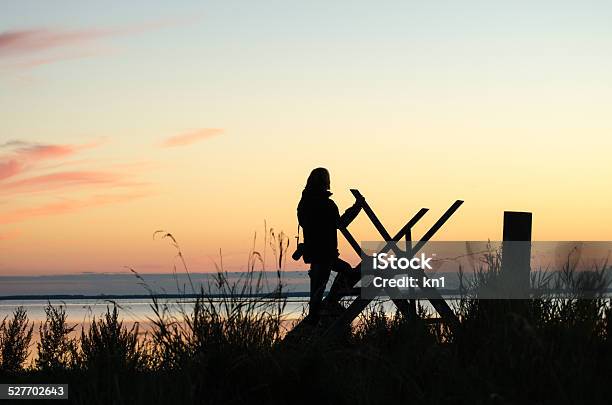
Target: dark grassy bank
550 350
232 351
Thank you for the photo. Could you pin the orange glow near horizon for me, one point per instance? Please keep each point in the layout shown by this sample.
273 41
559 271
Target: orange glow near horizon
206 128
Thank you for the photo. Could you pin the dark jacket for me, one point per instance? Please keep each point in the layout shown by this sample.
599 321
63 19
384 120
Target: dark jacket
319 217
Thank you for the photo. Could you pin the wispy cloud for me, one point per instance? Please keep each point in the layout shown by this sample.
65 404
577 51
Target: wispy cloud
27 168
15 43
10 168
23 156
39 46
23 49
54 181
191 137
67 206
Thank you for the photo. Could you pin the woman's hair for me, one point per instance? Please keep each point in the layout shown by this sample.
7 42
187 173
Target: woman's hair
318 180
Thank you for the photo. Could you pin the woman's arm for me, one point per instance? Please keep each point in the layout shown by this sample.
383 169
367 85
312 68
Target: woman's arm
351 213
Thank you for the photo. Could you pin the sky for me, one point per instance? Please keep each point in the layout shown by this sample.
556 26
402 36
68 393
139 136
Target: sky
203 119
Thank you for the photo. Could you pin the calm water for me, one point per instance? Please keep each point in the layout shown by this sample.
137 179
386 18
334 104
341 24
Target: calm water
88 295
83 295
131 310
128 284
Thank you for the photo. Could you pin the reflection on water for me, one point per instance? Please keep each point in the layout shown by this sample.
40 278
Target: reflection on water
130 310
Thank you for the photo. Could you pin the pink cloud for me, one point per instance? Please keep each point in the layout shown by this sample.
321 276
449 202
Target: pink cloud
26 49
13 43
54 181
71 44
67 206
191 137
17 168
26 155
10 168
27 167
39 152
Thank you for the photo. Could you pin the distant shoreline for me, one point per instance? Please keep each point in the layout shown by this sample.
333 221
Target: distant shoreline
141 296
130 274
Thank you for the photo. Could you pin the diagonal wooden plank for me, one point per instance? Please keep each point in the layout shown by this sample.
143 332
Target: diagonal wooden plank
439 304
439 223
402 232
401 304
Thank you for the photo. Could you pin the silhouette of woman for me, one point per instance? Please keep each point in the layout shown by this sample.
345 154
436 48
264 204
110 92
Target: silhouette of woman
319 217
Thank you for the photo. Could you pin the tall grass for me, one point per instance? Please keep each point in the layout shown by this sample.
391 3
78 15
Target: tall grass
15 338
108 345
229 317
57 350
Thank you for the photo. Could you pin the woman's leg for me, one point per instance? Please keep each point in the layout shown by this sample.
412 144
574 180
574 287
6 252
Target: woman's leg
319 274
347 277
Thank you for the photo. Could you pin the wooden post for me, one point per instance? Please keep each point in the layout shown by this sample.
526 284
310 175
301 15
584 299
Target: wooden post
516 253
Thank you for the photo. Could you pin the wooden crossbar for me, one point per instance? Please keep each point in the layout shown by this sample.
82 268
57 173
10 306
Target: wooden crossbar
359 304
